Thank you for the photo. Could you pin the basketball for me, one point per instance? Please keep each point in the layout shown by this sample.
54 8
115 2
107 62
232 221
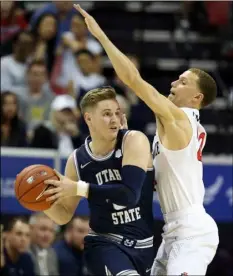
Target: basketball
29 187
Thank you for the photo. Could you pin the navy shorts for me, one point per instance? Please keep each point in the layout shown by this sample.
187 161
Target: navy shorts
106 257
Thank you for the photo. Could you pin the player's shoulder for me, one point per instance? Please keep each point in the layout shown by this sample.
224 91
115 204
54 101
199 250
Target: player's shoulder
135 136
191 113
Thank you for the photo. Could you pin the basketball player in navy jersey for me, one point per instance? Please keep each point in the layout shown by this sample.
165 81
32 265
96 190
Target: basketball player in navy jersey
113 170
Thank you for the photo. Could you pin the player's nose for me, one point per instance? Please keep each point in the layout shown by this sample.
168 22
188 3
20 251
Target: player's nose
173 84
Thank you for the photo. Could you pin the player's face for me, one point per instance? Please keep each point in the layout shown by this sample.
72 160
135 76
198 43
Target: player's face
104 119
43 232
19 237
185 92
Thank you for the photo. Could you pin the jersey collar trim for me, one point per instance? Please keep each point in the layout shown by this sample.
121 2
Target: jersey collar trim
88 149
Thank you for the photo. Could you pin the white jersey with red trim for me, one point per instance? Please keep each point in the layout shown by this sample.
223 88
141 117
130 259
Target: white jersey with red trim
179 174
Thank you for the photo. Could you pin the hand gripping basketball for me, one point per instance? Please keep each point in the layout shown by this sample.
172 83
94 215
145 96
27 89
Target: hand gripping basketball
62 187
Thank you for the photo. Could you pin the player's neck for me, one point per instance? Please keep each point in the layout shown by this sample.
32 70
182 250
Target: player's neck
101 147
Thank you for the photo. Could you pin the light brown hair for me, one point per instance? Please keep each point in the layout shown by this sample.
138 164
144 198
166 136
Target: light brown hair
207 86
96 95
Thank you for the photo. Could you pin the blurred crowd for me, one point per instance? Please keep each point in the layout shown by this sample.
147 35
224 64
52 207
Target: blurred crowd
49 61
53 63
37 246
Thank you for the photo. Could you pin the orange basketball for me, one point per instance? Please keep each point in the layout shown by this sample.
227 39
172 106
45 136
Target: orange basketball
29 187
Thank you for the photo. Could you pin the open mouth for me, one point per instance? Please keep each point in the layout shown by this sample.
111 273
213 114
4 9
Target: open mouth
171 92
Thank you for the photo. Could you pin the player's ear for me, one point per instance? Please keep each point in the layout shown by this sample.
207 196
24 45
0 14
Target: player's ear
87 117
199 97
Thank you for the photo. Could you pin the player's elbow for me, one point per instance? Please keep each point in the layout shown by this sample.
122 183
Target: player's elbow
132 78
60 221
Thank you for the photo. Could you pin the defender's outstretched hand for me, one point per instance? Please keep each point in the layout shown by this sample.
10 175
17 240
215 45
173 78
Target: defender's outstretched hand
92 25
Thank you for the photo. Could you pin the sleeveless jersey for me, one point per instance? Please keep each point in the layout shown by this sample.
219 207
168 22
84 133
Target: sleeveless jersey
179 173
106 216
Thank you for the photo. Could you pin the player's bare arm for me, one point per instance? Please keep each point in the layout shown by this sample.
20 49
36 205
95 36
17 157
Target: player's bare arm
136 160
63 209
137 150
172 118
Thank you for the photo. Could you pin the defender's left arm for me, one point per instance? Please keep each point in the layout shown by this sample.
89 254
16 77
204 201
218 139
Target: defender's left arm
129 74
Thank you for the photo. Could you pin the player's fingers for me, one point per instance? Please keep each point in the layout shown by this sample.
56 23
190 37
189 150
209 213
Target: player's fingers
82 11
56 183
54 197
52 191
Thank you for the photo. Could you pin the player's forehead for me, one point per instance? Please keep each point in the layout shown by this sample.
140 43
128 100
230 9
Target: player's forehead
111 104
189 76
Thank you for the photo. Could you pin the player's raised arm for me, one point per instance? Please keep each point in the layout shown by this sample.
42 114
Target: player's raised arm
63 209
133 173
129 74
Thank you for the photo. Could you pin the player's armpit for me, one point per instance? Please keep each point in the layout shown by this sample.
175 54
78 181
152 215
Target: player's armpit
159 104
136 150
63 209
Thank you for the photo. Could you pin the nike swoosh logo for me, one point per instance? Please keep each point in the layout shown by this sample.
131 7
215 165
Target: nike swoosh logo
83 166
148 270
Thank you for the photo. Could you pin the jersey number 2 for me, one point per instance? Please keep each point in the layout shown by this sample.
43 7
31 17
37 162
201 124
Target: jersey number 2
201 139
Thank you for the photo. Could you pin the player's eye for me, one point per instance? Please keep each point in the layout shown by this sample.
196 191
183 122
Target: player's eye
107 114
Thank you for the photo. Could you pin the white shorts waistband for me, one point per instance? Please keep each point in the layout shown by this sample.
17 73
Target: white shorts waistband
169 217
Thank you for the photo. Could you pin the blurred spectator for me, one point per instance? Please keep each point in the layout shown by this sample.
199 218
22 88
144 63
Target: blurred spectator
43 231
69 250
78 39
12 22
36 98
13 129
63 10
62 132
218 14
82 75
45 31
17 261
13 67
2 241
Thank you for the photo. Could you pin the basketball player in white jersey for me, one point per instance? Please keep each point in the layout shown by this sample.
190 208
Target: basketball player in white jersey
190 237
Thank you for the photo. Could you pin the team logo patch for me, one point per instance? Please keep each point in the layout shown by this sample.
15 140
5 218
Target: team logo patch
118 153
128 242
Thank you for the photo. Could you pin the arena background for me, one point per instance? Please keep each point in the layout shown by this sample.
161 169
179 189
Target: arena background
166 37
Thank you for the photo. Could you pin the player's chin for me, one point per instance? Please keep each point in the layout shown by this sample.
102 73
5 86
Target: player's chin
113 134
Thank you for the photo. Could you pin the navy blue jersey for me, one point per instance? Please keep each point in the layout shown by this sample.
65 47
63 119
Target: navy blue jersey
105 216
